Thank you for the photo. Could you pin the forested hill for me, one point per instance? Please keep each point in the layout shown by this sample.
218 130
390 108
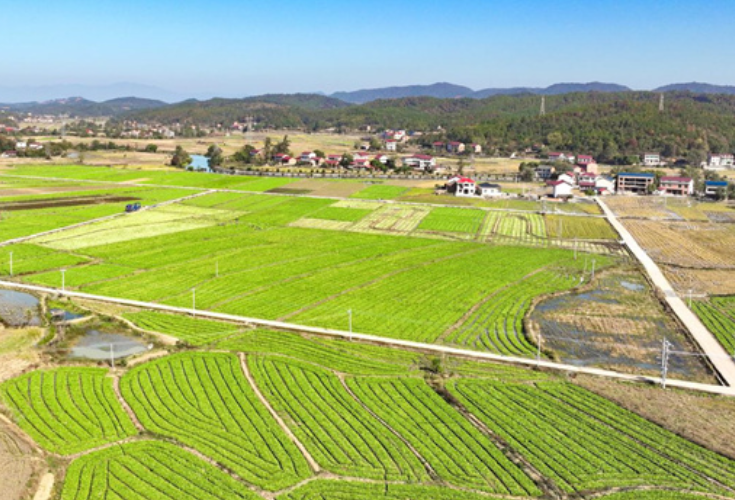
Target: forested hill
604 124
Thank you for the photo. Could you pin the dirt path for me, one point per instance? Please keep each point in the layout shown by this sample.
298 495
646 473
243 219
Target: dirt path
246 371
125 405
45 487
429 469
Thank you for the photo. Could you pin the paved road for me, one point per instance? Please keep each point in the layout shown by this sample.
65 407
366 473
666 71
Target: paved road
373 339
720 359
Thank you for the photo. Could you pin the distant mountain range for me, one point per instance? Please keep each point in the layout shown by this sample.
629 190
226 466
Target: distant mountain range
449 90
97 93
90 106
78 106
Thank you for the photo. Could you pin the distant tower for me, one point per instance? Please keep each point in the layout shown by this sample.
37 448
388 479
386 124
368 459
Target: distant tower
661 107
249 130
543 106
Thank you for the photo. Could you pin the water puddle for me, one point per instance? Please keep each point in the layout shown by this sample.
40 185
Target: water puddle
99 346
63 315
618 325
19 309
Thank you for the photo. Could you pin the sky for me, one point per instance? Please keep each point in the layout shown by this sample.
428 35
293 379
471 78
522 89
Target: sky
236 48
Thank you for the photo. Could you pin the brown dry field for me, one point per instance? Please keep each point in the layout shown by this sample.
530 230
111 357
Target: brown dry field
704 419
701 281
19 465
686 244
53 189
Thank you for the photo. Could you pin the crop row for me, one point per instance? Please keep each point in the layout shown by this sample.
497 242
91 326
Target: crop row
497 324
455 220
456 451
717 321
204 401
339 433
193 331
570 446
360 490
67 410
149 470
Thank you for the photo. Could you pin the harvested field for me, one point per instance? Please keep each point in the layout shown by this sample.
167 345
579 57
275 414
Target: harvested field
700 418
686 244
323 187
19 463
65 202
701 281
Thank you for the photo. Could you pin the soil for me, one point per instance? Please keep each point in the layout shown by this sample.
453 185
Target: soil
64 202
19 463
705 419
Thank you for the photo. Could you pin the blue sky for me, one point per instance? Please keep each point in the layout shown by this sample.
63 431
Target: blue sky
238 48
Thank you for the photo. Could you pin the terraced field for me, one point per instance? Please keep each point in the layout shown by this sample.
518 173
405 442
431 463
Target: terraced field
717 316
204 401
148 470
193 331
67 410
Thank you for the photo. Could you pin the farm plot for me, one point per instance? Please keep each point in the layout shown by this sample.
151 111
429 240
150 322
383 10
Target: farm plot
693 245
458 452
193 331
452 220
380 192
510 228
204 401
77 276
147 470
718 320
341 214
392 219
709 281
339 433
29 258
400 307
345 357
583 228
169 219
67 410
571 445
641 207
496 323
360 490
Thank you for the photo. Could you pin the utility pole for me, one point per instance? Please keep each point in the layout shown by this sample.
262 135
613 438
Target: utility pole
112 356
349 313
542 112
592 277
664 361
690 298
661 106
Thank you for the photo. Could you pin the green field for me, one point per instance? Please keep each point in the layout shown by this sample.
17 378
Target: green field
193 331
718 315
67 410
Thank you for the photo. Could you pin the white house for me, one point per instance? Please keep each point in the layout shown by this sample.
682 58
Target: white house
476 148
391 145
487 190
720 161
420 162
381 158
677 186
21 145
561 157
651 159
559 189
462 186
307 157
605 185
568 177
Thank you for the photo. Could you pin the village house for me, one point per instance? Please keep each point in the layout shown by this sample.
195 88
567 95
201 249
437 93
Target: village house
652 159
544 172
333 160
720 161
633 182
438 146
559 189
476 148
554 157
583 160
587 181
283 159
604 185
9 154
488 190
712 188
420 162
568 177
21 145
307 157
381 158
35 146
455 147
462 186
677 186
391 145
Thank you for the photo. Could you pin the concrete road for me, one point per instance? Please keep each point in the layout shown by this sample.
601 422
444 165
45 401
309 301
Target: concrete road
720 359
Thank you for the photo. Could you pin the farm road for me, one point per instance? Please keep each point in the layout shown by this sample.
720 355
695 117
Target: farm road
720 359
374 339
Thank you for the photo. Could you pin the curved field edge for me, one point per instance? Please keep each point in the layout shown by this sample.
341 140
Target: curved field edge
149 470
67 410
